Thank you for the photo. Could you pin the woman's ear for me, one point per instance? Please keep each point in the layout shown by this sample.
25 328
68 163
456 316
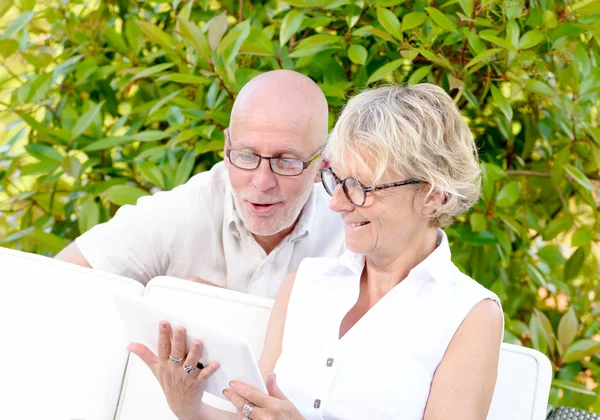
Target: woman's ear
433 200
324 163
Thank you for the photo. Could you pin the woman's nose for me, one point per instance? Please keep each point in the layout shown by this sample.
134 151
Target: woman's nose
339 202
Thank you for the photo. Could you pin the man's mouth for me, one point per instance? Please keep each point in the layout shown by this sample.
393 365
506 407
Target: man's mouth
262 208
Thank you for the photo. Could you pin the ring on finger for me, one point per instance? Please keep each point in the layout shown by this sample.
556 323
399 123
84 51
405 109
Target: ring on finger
189 369
175 359
247 410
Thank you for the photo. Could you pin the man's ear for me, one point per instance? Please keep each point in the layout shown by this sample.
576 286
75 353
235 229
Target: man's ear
226 133
324 163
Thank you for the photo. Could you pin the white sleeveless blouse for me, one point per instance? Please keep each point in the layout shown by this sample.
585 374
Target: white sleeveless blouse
384 365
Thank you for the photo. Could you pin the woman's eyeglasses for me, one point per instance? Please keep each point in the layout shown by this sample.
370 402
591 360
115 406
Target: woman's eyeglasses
355 192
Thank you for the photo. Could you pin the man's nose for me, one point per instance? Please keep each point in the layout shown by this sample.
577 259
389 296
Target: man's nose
339 202
264 179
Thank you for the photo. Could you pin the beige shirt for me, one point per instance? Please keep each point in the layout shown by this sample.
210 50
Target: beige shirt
194 230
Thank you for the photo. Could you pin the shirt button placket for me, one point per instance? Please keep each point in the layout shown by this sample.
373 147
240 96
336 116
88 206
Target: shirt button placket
327 370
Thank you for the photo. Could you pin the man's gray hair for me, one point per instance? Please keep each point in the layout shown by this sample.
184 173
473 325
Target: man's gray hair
413 131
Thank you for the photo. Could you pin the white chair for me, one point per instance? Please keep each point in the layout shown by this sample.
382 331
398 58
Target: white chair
523 385
62 352
239 313
521 391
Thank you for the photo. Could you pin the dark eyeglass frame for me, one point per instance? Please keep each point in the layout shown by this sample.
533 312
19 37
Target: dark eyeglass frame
366 190
305 163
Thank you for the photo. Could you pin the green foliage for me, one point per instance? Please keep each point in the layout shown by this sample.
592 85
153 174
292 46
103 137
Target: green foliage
103 102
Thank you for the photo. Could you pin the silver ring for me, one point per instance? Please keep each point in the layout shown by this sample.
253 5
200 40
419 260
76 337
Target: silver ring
189 369
247 410
174 359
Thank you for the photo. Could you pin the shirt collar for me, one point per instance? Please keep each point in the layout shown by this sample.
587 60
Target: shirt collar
305 220
436 264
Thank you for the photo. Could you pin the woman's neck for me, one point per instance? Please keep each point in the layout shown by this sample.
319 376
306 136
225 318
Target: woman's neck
386 270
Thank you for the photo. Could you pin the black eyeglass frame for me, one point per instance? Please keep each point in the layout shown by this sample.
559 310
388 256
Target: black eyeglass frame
365 190
305 163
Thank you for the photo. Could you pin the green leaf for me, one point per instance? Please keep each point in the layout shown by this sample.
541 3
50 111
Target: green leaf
567 328
385 70
502 102
86 120
185 168
531 39
556 226
478 222
467 6
17 24
572 386
257 43
580 349
184 78
418 75
290 25
152 173
498 41
216 29
509 194
546 327
40 87
8 47
441 19
357 54
413 20
123 194
233 41
150 135
390 22
155 34
152 70
48 241
579 177
89 215
581 237
574 264
44 152
539 87
108 143
163 101
191 33
483 56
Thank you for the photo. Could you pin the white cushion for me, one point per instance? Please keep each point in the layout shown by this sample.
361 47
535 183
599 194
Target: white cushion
241 314
63 352
523 384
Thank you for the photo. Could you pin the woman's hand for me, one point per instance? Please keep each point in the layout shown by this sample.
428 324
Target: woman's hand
181 380
253 404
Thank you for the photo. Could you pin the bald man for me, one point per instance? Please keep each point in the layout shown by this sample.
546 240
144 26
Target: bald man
248 221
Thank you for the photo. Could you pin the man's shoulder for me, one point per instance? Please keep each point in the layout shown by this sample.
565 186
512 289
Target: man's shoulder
212 181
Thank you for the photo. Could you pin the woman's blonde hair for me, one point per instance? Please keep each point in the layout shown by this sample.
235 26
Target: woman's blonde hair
415 131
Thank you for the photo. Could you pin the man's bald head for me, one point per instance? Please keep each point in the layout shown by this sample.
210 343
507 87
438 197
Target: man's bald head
283 97
280 114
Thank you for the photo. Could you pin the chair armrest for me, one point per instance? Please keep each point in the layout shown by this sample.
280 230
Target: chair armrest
569 413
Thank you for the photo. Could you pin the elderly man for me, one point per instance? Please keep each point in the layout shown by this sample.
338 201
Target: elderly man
248 221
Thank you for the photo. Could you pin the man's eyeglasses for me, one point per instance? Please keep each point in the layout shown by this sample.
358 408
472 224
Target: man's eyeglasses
355 192
281 166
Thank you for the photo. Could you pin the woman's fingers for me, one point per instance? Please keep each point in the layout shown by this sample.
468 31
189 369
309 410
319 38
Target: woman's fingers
250 393
143 353
164 340
238 402
178 344
208 371
193 357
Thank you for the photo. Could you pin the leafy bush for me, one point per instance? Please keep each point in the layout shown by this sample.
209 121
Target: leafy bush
106 101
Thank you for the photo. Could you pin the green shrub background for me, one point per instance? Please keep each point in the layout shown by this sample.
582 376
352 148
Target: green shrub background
102 102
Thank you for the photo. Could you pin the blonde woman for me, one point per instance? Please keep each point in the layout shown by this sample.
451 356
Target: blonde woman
391 329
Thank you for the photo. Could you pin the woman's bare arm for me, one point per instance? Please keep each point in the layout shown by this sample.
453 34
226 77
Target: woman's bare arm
464 381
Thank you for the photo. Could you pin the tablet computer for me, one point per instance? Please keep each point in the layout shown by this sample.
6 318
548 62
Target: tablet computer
141 317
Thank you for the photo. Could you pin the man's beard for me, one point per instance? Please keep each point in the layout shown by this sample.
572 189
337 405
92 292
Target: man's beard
283 218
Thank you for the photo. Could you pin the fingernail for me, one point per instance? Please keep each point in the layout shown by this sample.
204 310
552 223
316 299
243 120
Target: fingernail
226 392
163 325
271 375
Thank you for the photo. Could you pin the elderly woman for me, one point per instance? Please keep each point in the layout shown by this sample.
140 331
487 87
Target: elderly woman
391 329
